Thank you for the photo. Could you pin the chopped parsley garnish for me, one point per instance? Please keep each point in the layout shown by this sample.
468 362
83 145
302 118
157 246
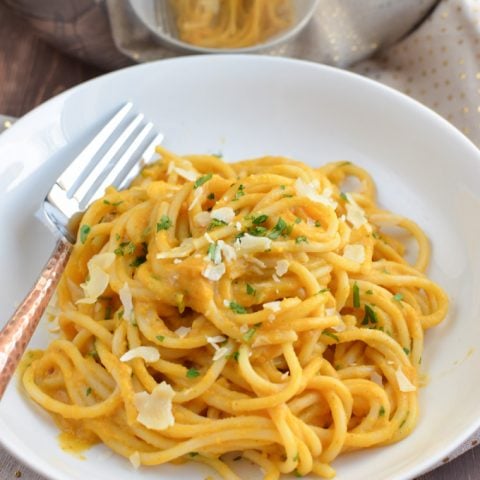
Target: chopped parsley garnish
301 239
381 412
375 235
298 474
138 261
282 187
240 192
125 248
398 297
247 336
212 250
193 373
216 223
164 224
323 290
356 295
295 458
370 315
84 231
250 290
298 220
211 196
160 338
113 204
369 292
280 228
236 307
343 196
235 355
88 391
200 181
406 350
404 421
257 231
317 223
260 219
193 454
331 335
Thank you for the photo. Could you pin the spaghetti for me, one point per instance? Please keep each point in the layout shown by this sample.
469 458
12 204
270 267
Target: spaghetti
231 23
249 308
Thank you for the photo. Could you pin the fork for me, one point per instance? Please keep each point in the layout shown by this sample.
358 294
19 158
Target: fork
121 152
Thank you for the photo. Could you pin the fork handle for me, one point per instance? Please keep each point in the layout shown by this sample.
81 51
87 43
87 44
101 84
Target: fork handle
16 334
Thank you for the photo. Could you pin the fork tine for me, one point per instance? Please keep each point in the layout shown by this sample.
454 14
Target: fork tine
113 177
146 158
70 175
101 166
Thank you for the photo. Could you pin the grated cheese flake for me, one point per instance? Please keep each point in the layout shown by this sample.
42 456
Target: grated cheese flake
220 353
376 378
127 302
309 190
329 312
214 272
182 332
176 261
404 383
273 306
155 409
135 459
238 226
183 250
189 175
281 268
355 253
197 193
250 244
227 251
98 277
355 214
202 219
149 354
224 214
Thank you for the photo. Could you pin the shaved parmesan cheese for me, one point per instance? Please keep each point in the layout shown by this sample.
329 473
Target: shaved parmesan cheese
149 354
202 219
376 378
155 409
250 244
285 375
404 384
186 174
282 267
309 190
355 214
339 328
275 278
273 306
227 251
183 250
243 328
176 261
238 226
224 214
226 303
329 312
256 261
127 302
355 253
182 332
220 353
196 197
214 272
214 340
208 238
170 168
135 459
98 277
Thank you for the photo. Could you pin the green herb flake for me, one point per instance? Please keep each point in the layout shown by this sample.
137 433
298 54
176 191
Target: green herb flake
282 187
356 295
295 458
260 219
375 235
369 292
204 179
212 251
398 297
193 373
280 228
216 223
343 196
406 350
317 224
298 220
240 192
117 237
235 355
323 290
134 322
257 231
331 335
84 231
404 421
250 290
301 239
370 315
297 474
237 308
88 391
211 196
112 204
247 336
160 338
381 412
193 454
164 224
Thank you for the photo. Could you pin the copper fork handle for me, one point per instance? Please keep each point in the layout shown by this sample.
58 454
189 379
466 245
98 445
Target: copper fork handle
16 334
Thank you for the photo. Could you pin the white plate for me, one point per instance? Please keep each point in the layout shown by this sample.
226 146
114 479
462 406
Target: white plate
249 106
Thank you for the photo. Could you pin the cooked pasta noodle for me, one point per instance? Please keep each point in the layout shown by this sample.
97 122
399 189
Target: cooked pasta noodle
230 23
249 308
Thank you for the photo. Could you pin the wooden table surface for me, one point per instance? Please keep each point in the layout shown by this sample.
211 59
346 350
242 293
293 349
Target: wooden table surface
30 73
